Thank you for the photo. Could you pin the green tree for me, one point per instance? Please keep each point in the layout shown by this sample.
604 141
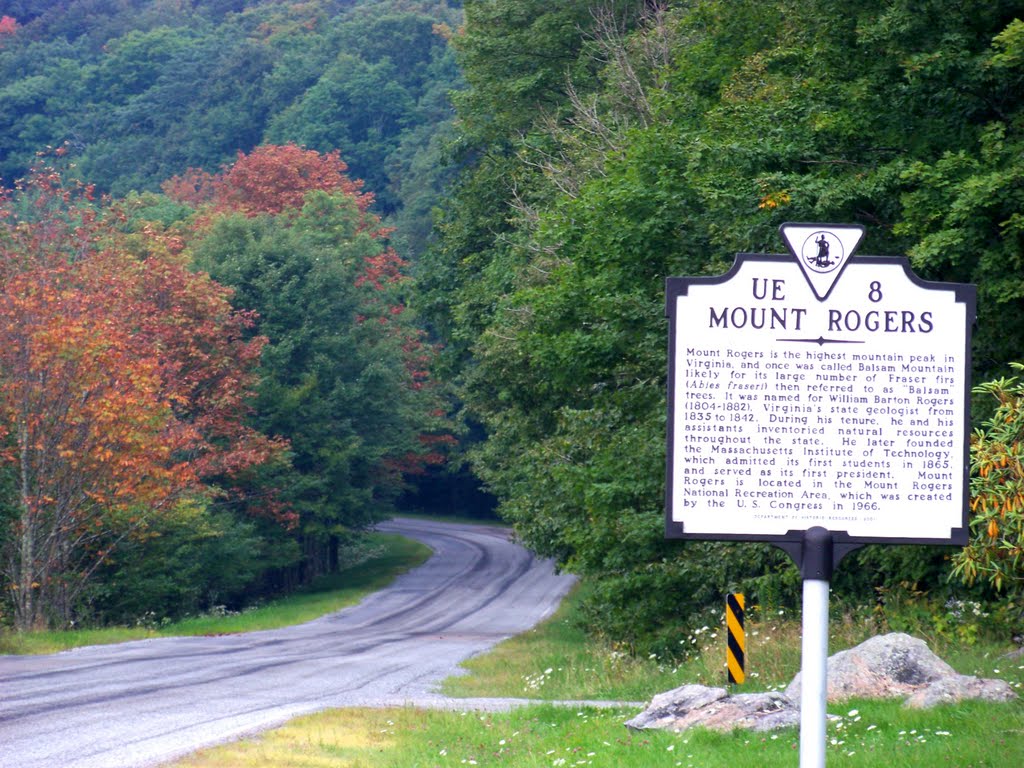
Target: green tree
344 375
663 142
356 107
200 559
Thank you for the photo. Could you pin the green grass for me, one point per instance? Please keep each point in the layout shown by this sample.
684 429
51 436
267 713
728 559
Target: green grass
392 555
544 736
556 661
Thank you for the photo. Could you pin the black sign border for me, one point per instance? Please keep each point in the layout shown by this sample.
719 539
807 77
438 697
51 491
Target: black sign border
793 539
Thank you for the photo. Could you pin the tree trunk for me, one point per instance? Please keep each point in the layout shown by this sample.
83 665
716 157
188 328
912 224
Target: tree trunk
27 579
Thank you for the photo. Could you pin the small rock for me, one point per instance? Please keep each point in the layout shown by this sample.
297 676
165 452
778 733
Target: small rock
713 708
666 708
755 711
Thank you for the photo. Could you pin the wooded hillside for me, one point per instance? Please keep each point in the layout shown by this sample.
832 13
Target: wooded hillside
145 89
545 167
613 144
173 443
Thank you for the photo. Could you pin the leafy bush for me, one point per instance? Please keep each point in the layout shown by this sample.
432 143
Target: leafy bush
995 554
186 565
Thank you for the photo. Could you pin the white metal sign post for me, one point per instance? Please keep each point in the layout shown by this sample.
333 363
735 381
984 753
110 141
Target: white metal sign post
818 401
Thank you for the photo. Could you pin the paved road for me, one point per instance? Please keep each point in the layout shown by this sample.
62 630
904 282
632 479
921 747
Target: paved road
142 703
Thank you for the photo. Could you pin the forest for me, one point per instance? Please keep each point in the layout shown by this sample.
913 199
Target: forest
212 383
270 267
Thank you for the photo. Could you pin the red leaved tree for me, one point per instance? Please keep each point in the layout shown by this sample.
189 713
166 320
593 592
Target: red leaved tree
271 179
122 386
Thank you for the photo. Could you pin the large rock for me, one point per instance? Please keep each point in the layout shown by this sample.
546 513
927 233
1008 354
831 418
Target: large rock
882 667
887 666
898 665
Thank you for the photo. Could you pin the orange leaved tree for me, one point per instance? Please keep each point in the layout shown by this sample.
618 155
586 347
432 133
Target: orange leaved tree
271 179
123 382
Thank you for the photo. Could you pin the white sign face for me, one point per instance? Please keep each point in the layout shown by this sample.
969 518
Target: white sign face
790 411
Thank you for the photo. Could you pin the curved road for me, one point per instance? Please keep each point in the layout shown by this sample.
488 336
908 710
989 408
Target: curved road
142 703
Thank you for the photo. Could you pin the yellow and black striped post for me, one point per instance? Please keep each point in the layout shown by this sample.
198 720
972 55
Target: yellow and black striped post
735 657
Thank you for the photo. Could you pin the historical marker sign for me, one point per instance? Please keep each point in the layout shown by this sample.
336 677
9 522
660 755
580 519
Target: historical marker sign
819 389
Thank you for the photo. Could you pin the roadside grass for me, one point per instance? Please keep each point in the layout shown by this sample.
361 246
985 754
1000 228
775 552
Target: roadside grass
556 661
389 556
548 736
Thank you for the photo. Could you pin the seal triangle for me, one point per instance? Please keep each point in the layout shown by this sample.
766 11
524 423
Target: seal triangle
822 251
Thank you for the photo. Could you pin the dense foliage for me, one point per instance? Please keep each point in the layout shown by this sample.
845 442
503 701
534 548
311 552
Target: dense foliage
123 387
144 89
193 453
624 142
596 148
344 377
163 450
995 554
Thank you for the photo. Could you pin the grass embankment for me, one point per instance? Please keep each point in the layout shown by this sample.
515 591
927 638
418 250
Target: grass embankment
975 736
390 555
556 662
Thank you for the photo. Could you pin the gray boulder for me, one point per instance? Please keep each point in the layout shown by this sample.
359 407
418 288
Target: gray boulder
881 667
887 666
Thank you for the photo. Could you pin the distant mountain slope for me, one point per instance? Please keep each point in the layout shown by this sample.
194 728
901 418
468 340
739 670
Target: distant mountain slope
144 89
